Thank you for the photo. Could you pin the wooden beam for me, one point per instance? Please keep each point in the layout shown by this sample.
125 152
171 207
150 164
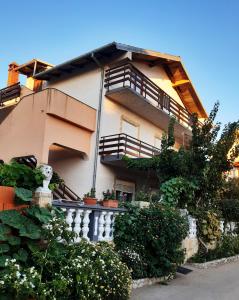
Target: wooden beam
180 82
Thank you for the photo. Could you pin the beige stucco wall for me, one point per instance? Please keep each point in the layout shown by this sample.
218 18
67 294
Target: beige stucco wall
78 173
84 87
112 116
159 77
191 247
33 125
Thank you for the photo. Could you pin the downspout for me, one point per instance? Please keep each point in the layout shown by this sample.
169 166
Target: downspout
98 117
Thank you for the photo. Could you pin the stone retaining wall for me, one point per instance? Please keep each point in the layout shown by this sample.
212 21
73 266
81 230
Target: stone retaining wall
148 281
215 263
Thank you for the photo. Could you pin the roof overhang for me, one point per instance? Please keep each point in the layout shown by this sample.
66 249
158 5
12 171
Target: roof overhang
172 64
32 67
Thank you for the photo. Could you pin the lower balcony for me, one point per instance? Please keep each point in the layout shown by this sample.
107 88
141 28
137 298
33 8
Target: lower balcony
114 147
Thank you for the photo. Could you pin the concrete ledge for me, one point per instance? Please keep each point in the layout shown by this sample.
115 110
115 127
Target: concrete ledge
148 281
215 263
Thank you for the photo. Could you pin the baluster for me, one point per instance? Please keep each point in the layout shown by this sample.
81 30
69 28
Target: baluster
112 226
69 218
77 228
101 226
118 148
124 78
140 144
86 221
108 225
222 226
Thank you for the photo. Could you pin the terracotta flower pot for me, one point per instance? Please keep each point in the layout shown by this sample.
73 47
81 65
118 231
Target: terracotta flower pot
90 201
7 199
111 203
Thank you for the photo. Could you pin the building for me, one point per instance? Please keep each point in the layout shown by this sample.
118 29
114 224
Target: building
84 115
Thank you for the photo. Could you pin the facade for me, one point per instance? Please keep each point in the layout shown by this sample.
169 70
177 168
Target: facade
84 115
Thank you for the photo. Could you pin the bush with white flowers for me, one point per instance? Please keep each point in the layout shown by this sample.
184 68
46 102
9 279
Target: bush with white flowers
58 268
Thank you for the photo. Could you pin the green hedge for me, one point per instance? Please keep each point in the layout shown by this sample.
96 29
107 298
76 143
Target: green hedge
149 240
226 247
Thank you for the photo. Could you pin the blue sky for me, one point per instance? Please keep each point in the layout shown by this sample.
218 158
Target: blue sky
204 33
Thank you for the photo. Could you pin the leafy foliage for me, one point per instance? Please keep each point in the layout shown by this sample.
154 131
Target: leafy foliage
91 194
209 226
23 194
178 192
18 229
154 236
60 269
109 195
20 175
203 164
226 247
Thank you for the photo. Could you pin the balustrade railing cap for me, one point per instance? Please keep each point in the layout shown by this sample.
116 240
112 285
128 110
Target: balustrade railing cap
59 203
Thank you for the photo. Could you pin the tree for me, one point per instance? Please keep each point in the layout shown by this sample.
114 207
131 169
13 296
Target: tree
209 157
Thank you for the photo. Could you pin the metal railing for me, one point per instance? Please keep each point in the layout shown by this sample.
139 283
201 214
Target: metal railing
9 93
64 192
124 144
129 76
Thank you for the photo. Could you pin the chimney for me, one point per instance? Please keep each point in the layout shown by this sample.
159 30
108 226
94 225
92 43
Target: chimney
13 74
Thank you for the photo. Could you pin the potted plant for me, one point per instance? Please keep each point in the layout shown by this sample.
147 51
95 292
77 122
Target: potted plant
89 198
110 199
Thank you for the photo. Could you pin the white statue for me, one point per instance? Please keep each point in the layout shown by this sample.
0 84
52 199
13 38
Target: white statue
47 171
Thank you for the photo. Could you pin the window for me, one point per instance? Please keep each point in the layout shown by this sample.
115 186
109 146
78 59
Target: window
130 129
158 142
125 190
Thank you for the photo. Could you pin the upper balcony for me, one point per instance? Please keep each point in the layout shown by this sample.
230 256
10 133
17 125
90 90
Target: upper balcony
126 85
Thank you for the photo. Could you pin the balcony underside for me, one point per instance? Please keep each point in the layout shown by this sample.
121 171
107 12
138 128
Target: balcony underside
114 160
135 102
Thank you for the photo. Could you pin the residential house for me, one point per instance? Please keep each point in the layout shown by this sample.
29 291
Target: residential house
84 115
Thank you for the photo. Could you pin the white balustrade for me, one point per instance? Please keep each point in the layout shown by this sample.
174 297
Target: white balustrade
112 226
222 226
69 218
86 221
108 220
77 221
101 226
96 224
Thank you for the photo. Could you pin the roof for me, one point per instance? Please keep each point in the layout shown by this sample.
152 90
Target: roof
172 64
33 66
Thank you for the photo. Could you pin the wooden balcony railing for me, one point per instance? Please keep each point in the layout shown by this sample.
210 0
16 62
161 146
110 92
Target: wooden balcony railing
10 92
130 77
122 144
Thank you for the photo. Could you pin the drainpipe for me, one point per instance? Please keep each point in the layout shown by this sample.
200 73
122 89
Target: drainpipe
98 117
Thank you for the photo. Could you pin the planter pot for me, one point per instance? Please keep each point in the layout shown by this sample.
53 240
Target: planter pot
111 203
90 201
7 199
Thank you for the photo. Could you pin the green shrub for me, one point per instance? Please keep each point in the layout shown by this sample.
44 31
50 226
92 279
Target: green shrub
20 175
153 237
178 192
230 210
58 268
226 247
208 226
